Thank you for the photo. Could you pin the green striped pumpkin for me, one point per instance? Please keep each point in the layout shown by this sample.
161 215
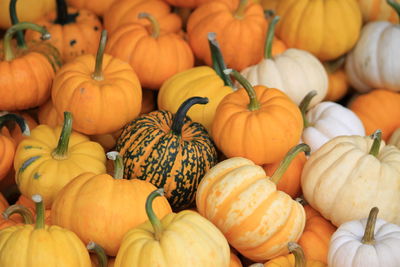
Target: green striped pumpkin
169 151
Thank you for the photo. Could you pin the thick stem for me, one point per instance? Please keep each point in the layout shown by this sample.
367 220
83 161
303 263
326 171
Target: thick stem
180 115
118 164
100 253
287 160
61 151
155 222
217 59
154 25
239 13
377 137
21 210
98 69
8 53
369 236
19 120
14 20
254 104
270 38
304 104
299 257
395 6
39 211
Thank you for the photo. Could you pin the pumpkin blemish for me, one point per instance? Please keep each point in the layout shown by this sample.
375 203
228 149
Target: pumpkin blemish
27 163
72 42
36 175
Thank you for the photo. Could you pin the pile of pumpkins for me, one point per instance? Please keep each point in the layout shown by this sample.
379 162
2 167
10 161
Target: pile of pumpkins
199 133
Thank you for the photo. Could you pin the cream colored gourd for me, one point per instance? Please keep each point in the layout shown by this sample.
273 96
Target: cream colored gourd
348 175
295 72
368 242
395 138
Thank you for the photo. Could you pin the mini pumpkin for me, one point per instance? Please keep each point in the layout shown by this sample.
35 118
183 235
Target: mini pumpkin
373 10
97 7
337 80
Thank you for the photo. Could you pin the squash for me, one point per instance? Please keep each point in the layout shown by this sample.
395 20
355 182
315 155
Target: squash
30 205
235 261
373 10
98 256
349 174
395 138
50 157
250 118
47 114
365 243
179 239
243 202
169 151
95 6
195 3
338 83
102 92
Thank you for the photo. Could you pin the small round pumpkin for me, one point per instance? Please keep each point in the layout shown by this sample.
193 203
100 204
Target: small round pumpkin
95 6
235 261
338 83
47 114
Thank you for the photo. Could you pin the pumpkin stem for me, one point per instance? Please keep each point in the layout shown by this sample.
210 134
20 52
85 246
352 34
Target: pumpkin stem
21 210
254 104
217 59
332 66
239 13
100 253
395 6
180 115
299 257
60 152
39 211
377 137
287 160
8 53
154 25
23 125
14 20
62 13
270 38
304 106
118 164
98 69
368 237
155 222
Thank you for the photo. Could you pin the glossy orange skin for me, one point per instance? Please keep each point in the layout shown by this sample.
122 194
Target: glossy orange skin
7 152
154 59
127 11
47 114
338 85
241 39
378 109
257 135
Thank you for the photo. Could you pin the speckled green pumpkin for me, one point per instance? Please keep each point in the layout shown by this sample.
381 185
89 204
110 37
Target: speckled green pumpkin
169 151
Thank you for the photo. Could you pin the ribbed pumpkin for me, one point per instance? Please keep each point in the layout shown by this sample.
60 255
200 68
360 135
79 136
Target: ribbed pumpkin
242 201
95 6
377 10
47 114
235 261
195 3
337 80
169 151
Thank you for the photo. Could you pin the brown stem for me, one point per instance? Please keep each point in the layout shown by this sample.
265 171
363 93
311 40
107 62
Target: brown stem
369 236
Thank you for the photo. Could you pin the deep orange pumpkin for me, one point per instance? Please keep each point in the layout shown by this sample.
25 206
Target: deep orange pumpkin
196 3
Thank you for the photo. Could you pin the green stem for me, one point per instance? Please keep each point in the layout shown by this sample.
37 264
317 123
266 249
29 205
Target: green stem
304 104
118 164
61 151
21 210
180 115
98 69
40 215
395 6
254 103
19 120
100 252
270 38
155 26
8 53
155 222
377 137
299 257
287 160
239 13
14 20
369 236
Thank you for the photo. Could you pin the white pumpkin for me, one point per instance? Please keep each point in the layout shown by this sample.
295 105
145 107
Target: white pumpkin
365 243
395 138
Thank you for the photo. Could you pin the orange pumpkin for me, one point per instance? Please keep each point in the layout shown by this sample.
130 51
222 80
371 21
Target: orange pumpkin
47 114
373 10
30 205
195 3
3 203
235 261
240 29
337 78
95 6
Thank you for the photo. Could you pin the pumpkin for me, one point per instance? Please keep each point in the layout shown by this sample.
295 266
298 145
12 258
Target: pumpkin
395 138
15 131
240 28
154 55
365 243
74 32
98 256
97 7
179 239
3 203
372 10
369 67
149 101
195 3
30 205
47 114
377 110
349 174
102 92
17 212
287 71
41 245
235 261
126 11
243 202
250 118
338 83
327 120
108 206
327 29
169 151
51 157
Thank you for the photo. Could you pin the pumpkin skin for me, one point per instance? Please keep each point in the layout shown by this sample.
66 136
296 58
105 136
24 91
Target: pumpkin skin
327 29
235 261
175 158
377 10
240 32
338 85
47 114
395 138
194 3
97 7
